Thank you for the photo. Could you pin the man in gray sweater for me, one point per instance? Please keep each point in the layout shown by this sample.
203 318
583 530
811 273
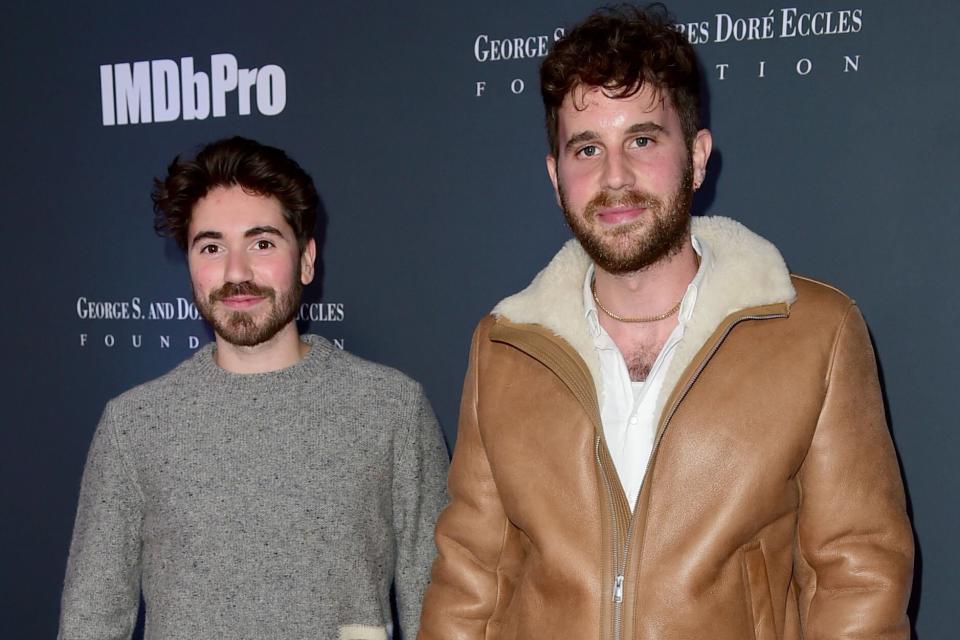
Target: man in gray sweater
271 486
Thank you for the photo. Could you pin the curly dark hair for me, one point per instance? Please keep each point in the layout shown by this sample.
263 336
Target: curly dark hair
258 168
620 48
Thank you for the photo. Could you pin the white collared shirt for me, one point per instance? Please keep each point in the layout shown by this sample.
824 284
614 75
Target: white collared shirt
626 407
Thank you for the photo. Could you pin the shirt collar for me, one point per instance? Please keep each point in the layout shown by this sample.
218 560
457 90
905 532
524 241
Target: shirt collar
686 305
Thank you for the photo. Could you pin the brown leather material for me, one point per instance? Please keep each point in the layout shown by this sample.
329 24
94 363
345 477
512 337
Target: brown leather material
757 587
772 506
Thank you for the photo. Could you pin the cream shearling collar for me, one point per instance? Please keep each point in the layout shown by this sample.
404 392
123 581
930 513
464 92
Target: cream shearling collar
747 271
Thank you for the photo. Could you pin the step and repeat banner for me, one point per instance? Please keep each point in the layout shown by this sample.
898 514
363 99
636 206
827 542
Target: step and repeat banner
835 133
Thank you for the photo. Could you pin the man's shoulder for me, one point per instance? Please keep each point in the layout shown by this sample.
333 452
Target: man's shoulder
487 323
820 295
358 372
179 381
822 307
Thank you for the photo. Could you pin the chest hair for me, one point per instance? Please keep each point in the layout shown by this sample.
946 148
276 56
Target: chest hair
639 357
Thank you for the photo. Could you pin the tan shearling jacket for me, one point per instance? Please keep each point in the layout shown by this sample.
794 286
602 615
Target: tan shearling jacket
772 507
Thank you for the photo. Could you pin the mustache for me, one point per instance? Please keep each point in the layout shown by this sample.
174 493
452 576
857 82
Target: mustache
629 198
232 289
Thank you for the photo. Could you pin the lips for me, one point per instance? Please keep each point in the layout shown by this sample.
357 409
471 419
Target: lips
610 208
619 215
240 303
241 296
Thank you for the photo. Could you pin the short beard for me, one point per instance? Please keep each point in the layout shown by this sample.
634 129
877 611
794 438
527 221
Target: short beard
652 238
239 328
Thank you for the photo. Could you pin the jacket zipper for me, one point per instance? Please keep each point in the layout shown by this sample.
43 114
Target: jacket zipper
618 585
618 582
621 569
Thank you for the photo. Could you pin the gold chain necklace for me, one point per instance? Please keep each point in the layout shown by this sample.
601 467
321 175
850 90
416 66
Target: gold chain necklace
662 316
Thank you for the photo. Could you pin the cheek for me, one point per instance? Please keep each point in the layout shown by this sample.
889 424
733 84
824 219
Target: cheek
202 277
573 173
679 163
659 177
661 172
576 183
278 274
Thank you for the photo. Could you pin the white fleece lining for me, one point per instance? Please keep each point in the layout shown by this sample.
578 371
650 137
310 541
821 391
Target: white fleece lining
747 271
362 632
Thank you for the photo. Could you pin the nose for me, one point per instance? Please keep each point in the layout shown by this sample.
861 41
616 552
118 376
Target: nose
237 267
617 173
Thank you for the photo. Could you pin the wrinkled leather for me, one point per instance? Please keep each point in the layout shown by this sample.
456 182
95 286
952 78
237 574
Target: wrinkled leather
772 509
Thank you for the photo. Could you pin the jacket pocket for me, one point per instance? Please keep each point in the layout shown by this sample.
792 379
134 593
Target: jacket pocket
757 587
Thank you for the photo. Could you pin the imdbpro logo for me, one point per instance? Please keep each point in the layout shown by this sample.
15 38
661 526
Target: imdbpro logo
163 91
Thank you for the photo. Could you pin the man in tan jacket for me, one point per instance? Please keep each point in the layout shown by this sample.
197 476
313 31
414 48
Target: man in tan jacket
666 435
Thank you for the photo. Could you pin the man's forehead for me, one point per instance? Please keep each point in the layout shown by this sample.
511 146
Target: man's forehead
236 193
236 209
594 109
647 98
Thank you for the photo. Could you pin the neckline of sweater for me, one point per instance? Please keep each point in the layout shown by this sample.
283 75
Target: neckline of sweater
306 368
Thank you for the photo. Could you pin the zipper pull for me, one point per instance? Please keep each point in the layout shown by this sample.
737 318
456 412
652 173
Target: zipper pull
618 589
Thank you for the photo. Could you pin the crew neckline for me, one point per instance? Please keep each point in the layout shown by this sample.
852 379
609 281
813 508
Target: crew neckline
311 362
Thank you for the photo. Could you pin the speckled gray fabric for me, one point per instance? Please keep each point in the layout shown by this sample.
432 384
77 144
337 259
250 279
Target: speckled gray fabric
276 505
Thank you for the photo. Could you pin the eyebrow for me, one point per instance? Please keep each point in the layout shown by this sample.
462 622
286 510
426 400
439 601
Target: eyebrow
588 136
583 136
646 127
205 235
249 233
257 231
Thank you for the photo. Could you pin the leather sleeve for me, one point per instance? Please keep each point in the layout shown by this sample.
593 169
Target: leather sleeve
855 543
462 595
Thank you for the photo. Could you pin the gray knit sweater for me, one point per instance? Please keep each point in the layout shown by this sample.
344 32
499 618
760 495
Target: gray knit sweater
277 505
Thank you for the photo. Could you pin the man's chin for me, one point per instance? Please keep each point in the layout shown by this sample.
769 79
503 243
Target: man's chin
250 332
619 248
626 256
240 332
241 341
252 338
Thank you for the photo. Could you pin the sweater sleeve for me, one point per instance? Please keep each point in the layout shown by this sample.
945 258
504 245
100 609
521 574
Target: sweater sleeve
855 555
419 493
101 592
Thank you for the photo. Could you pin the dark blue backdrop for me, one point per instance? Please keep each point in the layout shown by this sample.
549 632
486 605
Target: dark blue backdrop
836 137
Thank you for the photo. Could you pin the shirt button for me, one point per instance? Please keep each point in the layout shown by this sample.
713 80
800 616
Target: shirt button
633 420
